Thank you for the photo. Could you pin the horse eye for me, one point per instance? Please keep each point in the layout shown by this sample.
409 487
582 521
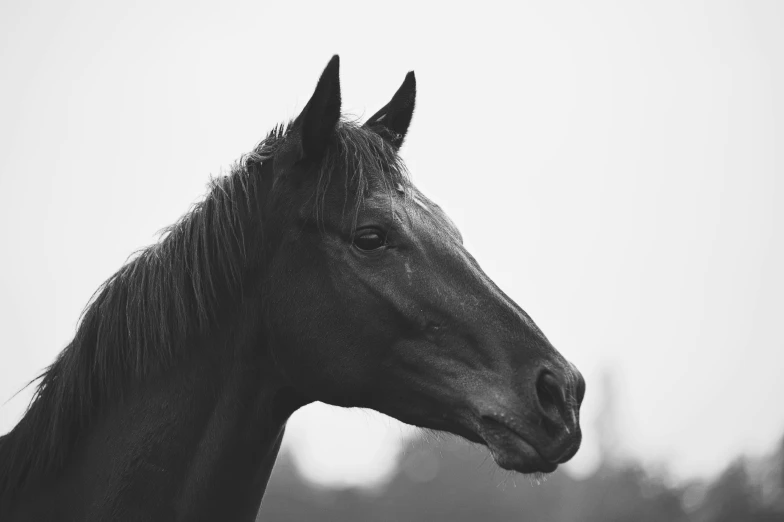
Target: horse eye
369 240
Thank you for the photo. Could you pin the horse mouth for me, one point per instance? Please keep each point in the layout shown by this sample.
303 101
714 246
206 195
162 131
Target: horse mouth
510 449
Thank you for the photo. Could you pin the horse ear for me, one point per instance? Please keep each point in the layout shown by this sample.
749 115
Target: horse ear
392 121
319 118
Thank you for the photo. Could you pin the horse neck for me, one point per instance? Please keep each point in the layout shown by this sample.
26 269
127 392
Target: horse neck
223 437
196 442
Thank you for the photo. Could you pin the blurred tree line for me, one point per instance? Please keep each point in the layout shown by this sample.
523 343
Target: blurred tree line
455 481
451 480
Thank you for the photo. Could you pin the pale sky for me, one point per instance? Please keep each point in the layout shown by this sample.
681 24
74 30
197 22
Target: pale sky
615 167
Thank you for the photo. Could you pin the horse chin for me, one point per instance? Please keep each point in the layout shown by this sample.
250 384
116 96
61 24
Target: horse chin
511 451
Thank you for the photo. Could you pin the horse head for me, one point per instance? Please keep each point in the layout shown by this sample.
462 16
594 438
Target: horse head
371 299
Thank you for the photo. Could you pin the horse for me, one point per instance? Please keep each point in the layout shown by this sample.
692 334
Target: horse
314 271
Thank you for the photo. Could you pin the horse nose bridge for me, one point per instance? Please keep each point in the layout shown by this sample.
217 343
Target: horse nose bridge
516 340
517 320
478 296
501 307
494 317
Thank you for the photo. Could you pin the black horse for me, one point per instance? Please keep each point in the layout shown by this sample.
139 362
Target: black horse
315 271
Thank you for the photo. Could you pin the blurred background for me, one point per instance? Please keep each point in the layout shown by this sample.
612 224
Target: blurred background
616 167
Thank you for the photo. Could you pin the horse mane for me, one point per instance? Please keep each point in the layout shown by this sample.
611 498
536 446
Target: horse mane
137 322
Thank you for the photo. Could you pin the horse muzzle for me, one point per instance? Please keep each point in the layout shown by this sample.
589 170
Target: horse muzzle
541 429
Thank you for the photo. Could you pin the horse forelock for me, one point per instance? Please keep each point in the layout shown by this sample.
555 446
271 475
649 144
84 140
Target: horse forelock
367 163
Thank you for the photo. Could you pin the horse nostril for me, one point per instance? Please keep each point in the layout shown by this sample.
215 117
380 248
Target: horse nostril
550 395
